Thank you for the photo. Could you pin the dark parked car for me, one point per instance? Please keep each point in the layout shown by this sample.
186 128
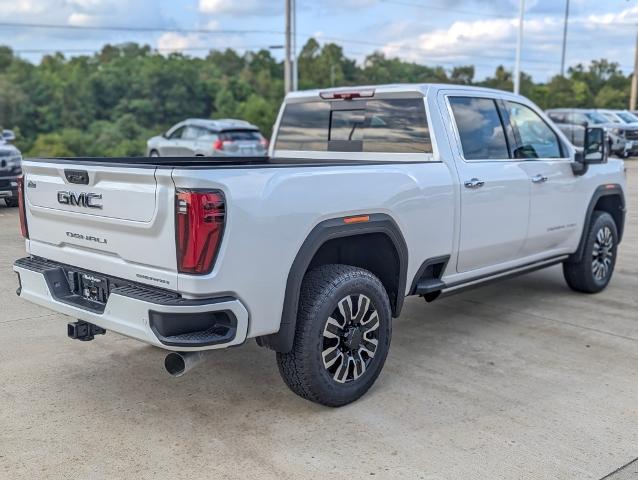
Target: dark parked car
623 138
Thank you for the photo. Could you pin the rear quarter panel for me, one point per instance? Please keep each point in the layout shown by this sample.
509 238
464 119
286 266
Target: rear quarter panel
271 211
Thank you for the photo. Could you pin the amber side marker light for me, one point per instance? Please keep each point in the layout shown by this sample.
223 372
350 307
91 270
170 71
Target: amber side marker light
358 219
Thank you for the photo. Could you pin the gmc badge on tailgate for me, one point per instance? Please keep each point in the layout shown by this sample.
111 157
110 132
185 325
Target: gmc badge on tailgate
85 200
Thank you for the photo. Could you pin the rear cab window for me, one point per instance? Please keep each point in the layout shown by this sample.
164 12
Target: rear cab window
359 127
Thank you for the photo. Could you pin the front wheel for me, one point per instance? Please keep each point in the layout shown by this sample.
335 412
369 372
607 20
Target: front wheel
342 337
593 272
11 202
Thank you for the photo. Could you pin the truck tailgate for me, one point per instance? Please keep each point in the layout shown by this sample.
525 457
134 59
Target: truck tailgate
116 220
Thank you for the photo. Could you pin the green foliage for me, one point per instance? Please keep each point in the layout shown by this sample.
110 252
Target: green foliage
110 103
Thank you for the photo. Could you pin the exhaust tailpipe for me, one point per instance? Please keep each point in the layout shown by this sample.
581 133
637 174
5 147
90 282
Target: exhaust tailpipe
178 363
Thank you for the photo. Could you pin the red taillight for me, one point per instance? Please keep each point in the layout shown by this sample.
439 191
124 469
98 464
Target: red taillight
221 144
264 142
22 208
199 223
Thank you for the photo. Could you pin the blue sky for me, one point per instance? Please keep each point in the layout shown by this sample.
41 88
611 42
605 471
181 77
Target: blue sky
431 32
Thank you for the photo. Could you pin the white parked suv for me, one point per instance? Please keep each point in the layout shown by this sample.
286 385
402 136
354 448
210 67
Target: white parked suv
209 138
368 195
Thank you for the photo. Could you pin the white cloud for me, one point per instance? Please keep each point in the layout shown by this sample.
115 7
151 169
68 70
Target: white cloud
488 43
197 44
10 7
169 42
241 7
626 16
84 12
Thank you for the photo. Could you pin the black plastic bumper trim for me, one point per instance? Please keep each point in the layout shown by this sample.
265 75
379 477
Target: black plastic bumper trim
119 286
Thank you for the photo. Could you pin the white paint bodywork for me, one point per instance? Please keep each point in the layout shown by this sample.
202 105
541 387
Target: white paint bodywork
272 208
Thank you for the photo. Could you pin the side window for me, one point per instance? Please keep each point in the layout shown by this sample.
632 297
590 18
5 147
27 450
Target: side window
536 138
381 126
177 134
577 118
480 128
205 134
557 117
191 133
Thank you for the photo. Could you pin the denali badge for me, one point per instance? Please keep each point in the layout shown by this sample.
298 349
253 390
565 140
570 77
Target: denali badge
88 238
86 200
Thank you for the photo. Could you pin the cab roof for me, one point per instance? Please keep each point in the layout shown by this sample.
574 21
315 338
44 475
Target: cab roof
421 89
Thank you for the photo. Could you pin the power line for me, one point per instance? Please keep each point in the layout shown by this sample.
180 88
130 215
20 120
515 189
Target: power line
401 48
138 29
31 51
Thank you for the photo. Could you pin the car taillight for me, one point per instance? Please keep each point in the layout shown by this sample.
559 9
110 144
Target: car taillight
22 208
264 142
218 145
199 221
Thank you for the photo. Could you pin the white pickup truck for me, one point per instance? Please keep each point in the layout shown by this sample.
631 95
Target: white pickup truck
368 195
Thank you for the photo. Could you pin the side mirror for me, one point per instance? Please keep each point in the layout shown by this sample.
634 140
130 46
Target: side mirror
8 135
595 148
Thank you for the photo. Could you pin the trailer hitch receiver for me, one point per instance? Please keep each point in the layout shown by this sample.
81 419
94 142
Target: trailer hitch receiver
84 331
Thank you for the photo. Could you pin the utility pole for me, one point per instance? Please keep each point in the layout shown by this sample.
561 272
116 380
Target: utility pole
634 80
562 58
288 54
295 56
519 44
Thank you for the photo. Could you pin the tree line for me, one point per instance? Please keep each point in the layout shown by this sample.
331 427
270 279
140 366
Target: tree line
110 103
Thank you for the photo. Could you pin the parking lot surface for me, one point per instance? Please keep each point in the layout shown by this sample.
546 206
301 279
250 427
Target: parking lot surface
518 380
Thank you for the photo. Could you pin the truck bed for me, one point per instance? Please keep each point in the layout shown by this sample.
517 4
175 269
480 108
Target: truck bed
159 162
204 162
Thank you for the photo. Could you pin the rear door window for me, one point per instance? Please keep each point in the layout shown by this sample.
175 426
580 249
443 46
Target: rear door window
191 133
381 126
480 128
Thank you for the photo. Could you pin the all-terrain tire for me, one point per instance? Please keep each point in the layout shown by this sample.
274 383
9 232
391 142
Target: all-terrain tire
593 272
328 297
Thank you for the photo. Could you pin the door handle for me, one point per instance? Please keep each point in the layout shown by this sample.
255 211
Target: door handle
474 183
539 178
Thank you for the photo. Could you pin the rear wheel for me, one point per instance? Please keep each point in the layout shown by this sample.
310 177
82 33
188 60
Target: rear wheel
594 271
11 202
342 338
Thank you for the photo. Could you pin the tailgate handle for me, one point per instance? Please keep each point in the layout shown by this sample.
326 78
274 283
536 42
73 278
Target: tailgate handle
79 177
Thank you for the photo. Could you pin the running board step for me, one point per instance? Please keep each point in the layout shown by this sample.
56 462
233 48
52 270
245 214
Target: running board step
430 285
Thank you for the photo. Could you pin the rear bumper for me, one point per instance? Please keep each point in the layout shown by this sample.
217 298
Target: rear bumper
153 316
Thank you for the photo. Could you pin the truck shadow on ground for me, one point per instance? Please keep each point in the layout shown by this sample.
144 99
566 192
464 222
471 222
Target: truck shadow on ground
246 379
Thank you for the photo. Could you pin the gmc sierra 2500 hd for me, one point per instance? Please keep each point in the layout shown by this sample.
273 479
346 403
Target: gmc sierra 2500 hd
368 195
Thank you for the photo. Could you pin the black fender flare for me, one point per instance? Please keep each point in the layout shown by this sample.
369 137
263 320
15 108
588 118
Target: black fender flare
607 190
330 229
